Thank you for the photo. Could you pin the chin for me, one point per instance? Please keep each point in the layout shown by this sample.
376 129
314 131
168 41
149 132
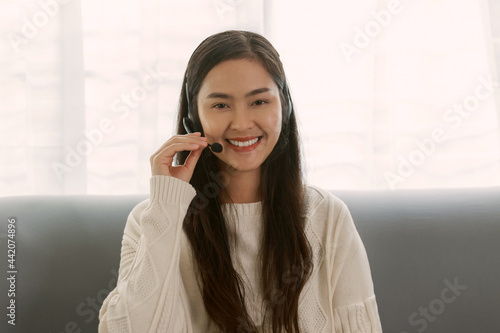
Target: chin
242 165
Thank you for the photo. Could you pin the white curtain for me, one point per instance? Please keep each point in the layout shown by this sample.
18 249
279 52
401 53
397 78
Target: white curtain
389 94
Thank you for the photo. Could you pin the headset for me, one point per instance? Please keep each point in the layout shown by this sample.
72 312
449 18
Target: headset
189 123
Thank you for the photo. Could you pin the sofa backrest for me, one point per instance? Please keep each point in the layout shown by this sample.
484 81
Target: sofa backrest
434 257
67 259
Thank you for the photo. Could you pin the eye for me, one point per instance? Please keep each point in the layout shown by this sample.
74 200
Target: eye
260 102
217 106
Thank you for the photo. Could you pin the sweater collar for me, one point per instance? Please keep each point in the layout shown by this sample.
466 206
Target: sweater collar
252 208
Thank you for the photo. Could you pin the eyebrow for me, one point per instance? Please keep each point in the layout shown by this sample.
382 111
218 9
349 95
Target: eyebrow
251 93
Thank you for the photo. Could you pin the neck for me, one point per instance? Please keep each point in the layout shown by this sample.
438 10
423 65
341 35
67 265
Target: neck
242 186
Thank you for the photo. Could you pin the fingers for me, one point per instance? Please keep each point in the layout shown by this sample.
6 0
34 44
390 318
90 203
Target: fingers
178 140
161 161
170 151
193 158
191 138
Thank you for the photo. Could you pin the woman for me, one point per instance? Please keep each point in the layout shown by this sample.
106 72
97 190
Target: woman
233 240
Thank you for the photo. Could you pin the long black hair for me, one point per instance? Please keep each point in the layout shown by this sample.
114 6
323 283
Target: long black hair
285 249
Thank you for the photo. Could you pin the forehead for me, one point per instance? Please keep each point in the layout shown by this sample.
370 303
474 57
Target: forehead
237 77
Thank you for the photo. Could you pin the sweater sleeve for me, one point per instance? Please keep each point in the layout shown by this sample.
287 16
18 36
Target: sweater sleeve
149 295
354 303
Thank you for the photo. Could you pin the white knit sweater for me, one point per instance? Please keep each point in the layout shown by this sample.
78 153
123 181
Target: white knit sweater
158 291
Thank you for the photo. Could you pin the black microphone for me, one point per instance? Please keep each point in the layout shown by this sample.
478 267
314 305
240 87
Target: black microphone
216 147
188 126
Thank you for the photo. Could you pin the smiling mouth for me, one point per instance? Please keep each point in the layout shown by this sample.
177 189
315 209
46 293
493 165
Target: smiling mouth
244 143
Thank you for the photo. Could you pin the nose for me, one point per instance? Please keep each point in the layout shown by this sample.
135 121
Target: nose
242 119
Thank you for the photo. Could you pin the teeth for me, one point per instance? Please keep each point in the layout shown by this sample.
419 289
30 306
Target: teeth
243 144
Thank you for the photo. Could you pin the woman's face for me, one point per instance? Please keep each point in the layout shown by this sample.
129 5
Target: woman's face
239 107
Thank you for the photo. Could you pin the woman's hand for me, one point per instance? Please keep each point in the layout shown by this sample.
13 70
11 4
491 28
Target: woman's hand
162 159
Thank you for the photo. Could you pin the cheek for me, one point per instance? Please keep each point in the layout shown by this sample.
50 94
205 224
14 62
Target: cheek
213 127
273 123
208 127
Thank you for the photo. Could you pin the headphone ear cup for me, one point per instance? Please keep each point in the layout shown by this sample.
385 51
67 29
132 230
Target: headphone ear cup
188 121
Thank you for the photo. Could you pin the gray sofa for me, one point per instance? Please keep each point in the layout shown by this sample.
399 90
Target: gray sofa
434 256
